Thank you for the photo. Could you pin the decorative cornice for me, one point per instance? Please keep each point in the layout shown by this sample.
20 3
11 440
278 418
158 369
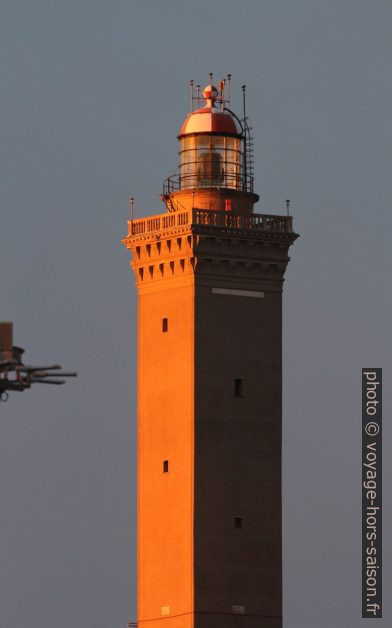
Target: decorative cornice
206 256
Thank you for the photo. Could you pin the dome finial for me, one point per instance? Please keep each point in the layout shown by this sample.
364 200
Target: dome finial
210 93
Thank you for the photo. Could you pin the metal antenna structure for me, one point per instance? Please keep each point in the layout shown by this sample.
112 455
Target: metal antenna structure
248 161
22 376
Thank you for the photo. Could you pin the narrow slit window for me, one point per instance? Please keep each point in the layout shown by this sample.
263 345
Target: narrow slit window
165 466
238 523
165 324
238 388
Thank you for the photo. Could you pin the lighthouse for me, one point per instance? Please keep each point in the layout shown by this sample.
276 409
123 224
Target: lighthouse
209 275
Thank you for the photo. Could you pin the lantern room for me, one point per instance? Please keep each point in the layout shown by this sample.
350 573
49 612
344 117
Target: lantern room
210 147
216 157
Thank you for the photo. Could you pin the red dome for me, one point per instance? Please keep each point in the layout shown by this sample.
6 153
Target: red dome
210 119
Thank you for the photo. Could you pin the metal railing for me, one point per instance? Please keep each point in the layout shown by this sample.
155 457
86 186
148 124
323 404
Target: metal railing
212 218
193 181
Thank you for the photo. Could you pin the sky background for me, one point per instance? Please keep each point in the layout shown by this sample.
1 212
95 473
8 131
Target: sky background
93 94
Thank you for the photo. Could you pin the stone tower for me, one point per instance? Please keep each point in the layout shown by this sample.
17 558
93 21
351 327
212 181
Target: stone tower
209 274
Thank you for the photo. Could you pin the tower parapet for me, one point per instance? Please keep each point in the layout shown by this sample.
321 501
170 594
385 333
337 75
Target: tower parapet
246 246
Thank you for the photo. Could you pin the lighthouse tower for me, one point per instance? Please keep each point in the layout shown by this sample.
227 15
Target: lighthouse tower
209 274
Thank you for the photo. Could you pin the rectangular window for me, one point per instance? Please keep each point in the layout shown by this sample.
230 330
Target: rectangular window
238 522
165 324
238 388
165 466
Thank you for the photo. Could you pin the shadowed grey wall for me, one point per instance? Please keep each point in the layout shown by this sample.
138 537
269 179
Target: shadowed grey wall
92 96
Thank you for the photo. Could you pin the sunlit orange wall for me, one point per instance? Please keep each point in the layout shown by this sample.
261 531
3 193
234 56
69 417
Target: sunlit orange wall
165 500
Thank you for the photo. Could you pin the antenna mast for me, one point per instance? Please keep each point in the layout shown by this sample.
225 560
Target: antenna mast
198 94
222 92
131 206
191 86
